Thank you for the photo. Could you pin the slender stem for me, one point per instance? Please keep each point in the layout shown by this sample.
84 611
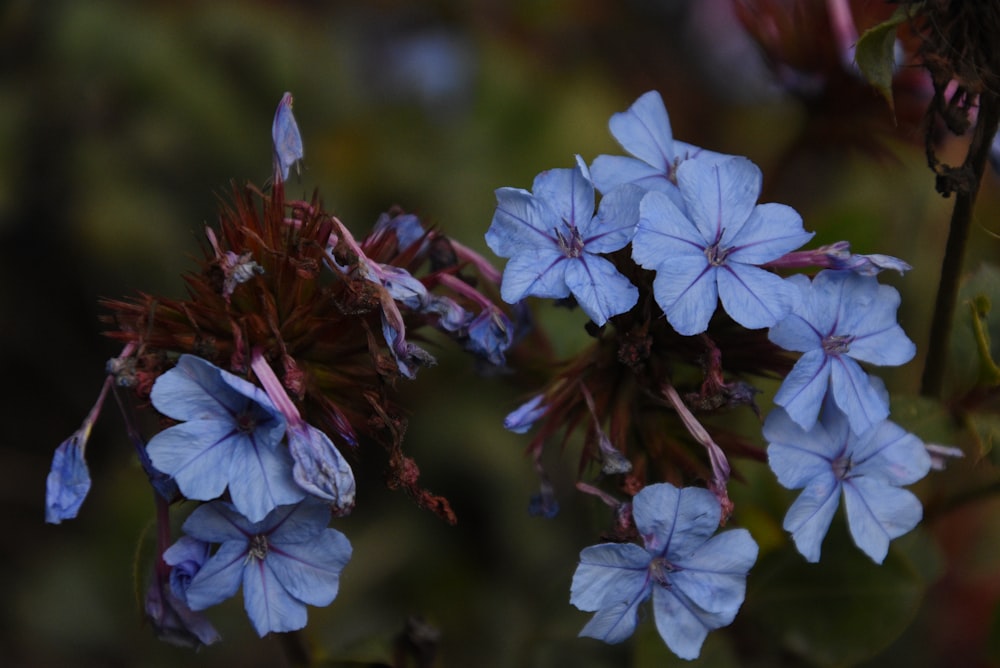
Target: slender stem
958 235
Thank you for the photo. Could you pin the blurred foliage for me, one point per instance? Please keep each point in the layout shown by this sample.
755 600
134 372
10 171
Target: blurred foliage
120 122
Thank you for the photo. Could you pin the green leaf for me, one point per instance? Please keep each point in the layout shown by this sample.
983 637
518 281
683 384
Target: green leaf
985 429
976 330
875 53
838 612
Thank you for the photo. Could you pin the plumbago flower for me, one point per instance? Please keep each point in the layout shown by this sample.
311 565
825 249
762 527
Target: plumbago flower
709 248
286 561
554 241
635 397
644 131
697 581
231 436
869 469
279 368
843 318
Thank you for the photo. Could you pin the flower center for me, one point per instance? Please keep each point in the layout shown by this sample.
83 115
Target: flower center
660 570
842 467
837 344
672 169
716 254
258 548
246 422
572 245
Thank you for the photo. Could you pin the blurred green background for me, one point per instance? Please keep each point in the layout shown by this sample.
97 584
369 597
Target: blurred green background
122 122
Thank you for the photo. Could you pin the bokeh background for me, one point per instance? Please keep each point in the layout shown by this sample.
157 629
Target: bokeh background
121 123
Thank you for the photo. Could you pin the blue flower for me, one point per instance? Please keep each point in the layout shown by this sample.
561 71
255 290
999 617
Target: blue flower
523 418
288 560
869 468
554 241
171 618
287 140
842 317
186 557
697 581
490 334
319 467
68 482
707 248
231 436
644 131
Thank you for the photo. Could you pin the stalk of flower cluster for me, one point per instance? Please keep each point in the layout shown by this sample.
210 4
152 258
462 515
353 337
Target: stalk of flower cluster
987 122
720 465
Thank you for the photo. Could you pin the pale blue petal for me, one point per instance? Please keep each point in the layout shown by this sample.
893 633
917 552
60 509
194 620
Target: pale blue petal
615 623
877 513
644 131
520 222
569 193
866 307
270 608
852 390
611 171
297 524
822 301
285 134
713 577
68 481
684 151
888 347
681 624
754 297
404 288
719 196
890 453
195 390
664 232
260 478
599 288
801 393
219 522
808 518
822 441
771 231
538 272
610 573
197 454
523 418
797 332
614 225
687 291
310 571
674 522
319 467
219 578
795 455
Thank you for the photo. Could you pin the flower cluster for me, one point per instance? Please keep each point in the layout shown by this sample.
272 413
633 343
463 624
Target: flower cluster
274 374
677 232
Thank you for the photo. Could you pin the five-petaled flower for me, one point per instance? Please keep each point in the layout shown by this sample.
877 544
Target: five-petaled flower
554 241
231 435
708 247
869 468
644 131
697 581
284 562
842 317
